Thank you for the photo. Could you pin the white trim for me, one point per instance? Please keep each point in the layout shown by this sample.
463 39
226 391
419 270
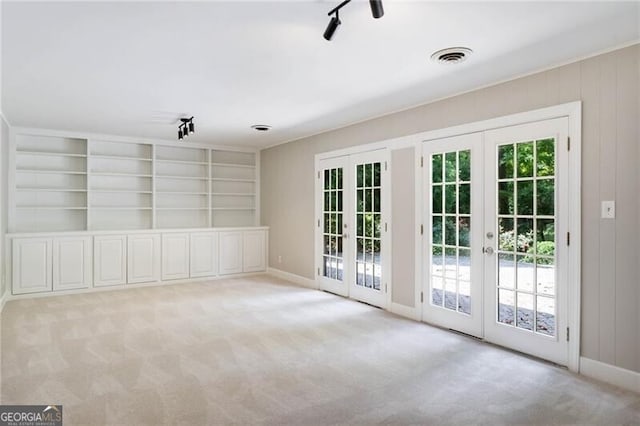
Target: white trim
574 261
608 373
406 311
131 231
463 92
4 299
4 118
126 139
293 278
128 286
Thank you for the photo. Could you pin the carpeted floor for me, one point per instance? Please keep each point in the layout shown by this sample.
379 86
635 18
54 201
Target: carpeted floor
259 351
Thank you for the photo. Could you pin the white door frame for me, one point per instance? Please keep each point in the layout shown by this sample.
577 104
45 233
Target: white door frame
384 301
573 112
553 348
333 286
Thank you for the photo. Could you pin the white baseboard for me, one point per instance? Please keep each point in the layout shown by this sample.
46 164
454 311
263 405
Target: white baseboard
3 300
621 377
296 279
405 311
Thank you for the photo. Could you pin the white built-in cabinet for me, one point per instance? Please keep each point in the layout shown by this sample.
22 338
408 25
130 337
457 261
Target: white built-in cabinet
109 260
98 211
72 263
230 252
253 253
203 254
143 258
82 261
32 265
175 256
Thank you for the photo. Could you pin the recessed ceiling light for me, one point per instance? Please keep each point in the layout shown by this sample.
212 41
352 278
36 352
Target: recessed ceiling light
451 55
261 127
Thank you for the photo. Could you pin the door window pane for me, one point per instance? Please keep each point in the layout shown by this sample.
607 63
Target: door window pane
545 157
451 264
525 159
526 277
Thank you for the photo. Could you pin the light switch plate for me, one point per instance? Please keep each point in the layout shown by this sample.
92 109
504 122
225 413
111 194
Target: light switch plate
608 210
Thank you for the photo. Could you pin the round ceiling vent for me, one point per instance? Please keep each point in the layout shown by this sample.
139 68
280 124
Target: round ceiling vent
261 127
452 55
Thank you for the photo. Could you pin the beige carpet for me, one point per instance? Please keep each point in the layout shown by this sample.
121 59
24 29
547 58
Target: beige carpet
259 351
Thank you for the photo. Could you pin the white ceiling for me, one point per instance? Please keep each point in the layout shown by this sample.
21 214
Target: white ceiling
132 68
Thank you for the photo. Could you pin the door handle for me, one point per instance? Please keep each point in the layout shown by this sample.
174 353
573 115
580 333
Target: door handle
345 235
488 250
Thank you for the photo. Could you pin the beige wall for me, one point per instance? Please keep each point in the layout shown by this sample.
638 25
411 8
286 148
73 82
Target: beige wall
608 86
403 226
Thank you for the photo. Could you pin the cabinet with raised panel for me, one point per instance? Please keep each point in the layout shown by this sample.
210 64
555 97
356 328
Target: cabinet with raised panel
230 252
143 258
175 256
109 260
254 247
31 266
71 263
204 254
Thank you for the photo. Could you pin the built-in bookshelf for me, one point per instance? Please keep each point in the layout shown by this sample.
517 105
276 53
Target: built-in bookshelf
182 186
120 185
50 183
75 184
233 187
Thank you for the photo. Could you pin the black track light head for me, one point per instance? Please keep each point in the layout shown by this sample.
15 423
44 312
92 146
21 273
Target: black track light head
334 23
185 127
376 8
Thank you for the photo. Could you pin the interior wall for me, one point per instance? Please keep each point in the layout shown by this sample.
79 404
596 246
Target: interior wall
608 86
403 226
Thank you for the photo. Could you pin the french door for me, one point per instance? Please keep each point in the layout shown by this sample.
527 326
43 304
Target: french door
454 208
526 257
352 221
496 205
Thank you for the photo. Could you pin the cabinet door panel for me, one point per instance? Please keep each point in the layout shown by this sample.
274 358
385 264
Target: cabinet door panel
175 256
204 254
230 252
109 260
143 258
31 265
254 251
71 263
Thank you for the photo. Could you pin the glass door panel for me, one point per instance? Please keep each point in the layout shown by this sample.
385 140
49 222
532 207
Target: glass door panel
332 208
369 244
333 253
525 192
453 182
526 233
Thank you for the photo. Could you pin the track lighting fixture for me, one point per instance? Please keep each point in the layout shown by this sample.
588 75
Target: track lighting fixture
185 128
376 10
334 23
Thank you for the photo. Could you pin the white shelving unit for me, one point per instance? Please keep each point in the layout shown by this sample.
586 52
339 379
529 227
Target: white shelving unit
233 188
50 183
182 199
61 183
120 185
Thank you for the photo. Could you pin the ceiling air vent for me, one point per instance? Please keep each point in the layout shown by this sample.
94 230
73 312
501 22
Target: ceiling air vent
452 55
